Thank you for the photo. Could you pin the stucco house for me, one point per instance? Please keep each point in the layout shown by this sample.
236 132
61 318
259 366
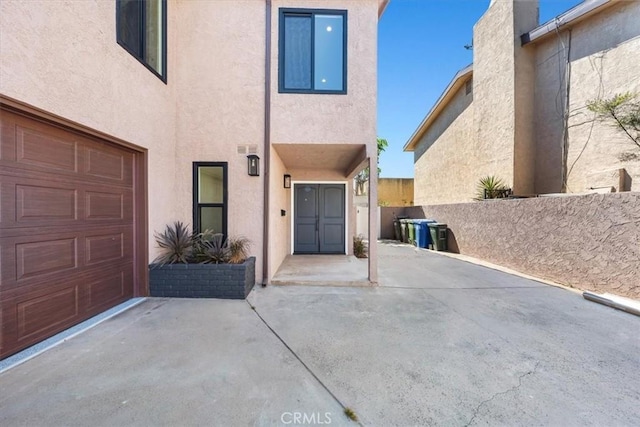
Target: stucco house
519 111
120 117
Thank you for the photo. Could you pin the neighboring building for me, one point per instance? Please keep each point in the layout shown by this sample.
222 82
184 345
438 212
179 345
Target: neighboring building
519 111
119 117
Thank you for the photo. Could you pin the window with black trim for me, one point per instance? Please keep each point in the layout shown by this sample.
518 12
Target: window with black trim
141 27
210 197
312 51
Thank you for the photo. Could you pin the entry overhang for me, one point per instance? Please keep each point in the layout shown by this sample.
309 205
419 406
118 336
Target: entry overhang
341 158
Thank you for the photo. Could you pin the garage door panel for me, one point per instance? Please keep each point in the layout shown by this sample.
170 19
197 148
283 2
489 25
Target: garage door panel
101 205
109 290
39 314
35 259
34 202
104 247
45 149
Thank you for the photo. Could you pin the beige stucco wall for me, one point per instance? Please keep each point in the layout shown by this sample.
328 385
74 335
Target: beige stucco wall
63 57
589 242
443 159
220 105
604 61
279 226
395 191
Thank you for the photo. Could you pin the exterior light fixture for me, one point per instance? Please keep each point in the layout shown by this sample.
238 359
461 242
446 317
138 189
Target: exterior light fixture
253 164
287 181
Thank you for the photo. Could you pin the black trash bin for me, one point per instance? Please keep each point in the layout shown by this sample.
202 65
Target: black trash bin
397 231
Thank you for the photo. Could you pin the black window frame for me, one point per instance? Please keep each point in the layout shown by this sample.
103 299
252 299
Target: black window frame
311 13
162 75
225 195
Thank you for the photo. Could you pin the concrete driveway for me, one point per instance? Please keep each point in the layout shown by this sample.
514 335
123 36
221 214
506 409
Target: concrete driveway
442 342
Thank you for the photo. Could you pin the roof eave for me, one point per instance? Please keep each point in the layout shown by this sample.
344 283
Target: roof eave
382 5
570 17
441 103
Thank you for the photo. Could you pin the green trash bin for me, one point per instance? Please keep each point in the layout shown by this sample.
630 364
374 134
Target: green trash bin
412 231
438 236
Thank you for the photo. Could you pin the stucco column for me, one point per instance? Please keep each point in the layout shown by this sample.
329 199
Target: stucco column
373 215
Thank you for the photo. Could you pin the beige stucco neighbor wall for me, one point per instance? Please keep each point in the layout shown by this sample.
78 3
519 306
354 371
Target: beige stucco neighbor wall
395 191
64 59
604 60
588 242
514 127
498 90
445 172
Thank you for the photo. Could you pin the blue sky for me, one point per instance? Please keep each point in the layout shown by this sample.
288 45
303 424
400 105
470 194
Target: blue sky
420 48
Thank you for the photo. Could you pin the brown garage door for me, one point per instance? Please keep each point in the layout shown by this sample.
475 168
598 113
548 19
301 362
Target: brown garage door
66 229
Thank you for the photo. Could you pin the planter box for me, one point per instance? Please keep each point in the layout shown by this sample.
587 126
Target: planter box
231 281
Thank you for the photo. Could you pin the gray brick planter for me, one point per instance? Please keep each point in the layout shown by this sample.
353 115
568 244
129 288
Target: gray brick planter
231 281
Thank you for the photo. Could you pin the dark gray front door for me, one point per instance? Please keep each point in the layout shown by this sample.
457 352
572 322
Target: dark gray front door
319 219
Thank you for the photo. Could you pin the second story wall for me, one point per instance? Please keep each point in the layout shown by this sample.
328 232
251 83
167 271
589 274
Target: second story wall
64 58
331 118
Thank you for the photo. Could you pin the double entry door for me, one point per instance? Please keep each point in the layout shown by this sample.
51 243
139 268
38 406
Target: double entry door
319 219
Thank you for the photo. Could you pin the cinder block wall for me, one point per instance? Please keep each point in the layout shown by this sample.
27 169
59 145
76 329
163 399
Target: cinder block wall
590 242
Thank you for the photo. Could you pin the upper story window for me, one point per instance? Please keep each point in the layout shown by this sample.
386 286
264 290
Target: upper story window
313 51
142 31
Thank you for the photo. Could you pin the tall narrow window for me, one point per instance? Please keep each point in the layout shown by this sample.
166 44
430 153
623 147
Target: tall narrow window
210 197
313 47
142 31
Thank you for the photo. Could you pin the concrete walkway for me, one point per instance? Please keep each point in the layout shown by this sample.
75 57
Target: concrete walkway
322 270
442 342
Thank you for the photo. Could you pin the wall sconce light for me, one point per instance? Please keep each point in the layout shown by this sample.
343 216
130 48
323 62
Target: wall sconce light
287 181
253 164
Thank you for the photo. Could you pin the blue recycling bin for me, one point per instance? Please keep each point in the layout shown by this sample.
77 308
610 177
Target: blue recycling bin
418 232
423 236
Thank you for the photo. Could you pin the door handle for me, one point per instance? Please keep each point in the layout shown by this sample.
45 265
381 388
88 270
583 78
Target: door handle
317 223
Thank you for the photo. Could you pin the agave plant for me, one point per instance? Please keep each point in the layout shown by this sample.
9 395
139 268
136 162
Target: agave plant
491 187
176 244
238 250
212 248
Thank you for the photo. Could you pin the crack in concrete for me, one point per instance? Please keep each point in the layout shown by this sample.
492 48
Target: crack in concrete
514 388
304 365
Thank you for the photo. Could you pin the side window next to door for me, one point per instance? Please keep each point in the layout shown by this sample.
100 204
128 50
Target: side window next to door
210 197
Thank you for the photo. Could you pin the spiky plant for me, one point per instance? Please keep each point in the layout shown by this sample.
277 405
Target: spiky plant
212 248
490 187
175 243
238 250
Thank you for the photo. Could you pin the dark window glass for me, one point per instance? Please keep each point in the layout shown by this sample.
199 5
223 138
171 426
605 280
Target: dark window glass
210 197
141 27
297 52
312 51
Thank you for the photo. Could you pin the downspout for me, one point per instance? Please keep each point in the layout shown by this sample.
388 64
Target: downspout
267 142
